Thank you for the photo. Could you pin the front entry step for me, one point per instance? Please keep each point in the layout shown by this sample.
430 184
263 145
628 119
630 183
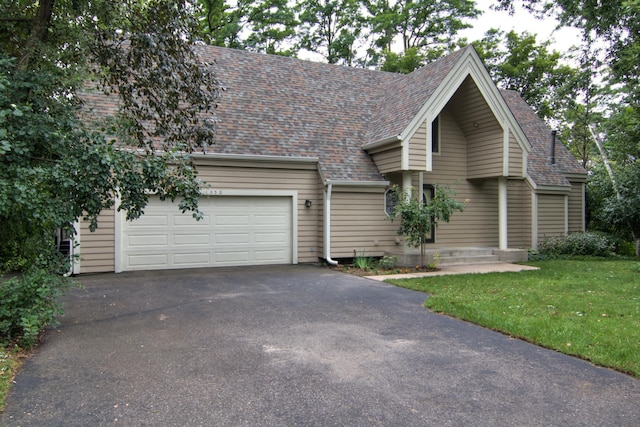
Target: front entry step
463 256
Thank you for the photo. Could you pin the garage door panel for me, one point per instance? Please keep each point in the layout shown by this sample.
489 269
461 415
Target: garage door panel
149 220
191 221
231 220
191 240
268 256
188 259
232 258
234 231
147 240
271 238
148 261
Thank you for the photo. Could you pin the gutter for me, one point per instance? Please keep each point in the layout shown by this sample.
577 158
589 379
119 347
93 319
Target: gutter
327 226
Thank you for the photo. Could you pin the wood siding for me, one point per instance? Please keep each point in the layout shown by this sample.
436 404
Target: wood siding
418 149
478 224
516 161
388 160
481 129
551 216
97 249
519 214
576 207
358 223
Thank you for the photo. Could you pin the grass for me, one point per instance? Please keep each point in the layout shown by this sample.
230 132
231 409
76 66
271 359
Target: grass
9 364
586 308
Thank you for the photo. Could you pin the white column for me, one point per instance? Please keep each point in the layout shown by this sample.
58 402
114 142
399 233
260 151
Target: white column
406 183
502 213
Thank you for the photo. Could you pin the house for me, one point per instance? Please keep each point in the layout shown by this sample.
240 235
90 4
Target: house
306 154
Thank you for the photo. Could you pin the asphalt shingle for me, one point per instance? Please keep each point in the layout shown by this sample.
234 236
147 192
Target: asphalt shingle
278 106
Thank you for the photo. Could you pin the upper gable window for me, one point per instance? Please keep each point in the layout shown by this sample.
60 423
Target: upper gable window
435 135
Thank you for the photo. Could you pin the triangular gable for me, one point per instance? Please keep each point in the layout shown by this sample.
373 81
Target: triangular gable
468 64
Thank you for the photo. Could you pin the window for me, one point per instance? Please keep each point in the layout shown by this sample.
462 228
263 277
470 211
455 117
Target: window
435 135
390 201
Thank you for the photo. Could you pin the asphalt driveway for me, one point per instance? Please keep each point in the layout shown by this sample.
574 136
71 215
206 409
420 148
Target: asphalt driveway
294 345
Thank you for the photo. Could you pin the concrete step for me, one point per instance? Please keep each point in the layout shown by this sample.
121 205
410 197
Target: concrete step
469 259
462 256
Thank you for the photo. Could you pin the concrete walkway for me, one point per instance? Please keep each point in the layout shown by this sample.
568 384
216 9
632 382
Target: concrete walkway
501 267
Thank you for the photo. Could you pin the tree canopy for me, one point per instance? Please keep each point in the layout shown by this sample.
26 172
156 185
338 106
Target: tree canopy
56 164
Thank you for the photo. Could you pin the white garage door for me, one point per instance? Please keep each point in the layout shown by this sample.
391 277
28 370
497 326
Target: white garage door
235 231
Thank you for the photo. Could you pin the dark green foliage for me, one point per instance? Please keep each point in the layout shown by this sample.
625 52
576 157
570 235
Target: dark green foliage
56 165
27 304
587 244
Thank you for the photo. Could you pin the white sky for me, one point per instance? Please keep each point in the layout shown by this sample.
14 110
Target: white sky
521 21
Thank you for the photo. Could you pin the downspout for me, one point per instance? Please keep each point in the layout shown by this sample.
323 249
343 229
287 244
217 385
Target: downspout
327 226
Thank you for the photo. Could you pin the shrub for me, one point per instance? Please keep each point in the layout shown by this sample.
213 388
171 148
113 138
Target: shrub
28 304
388 262
590 244
363 262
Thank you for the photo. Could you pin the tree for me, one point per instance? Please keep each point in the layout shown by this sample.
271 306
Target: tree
222 23
517 62
418 217
402 63
55 166
424 28
330 27
616 24
273 28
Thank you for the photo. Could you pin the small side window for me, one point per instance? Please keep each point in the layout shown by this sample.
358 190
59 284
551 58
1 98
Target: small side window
390 202
435 135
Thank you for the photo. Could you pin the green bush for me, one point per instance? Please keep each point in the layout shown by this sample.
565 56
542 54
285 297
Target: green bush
363 263
590 244
28 304
388 262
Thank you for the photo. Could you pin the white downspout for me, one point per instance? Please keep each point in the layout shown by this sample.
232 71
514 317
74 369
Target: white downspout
327 226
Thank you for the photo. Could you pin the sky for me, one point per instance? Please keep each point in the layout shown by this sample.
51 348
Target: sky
562 40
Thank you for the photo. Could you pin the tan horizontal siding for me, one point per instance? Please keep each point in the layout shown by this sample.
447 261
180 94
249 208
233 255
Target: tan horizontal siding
97 249
551 216
576 207
358 224
478 224
519 214
450 165
389 160
418 149
481 130
484 155
515 157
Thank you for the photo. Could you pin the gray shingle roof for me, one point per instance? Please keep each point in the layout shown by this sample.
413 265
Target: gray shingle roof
277 106
541 171
406 95
287 107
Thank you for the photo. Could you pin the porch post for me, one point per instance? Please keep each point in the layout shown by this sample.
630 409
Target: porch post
406 183
502 213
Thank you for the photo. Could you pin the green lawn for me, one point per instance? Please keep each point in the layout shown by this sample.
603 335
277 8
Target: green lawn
586 308
8 365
